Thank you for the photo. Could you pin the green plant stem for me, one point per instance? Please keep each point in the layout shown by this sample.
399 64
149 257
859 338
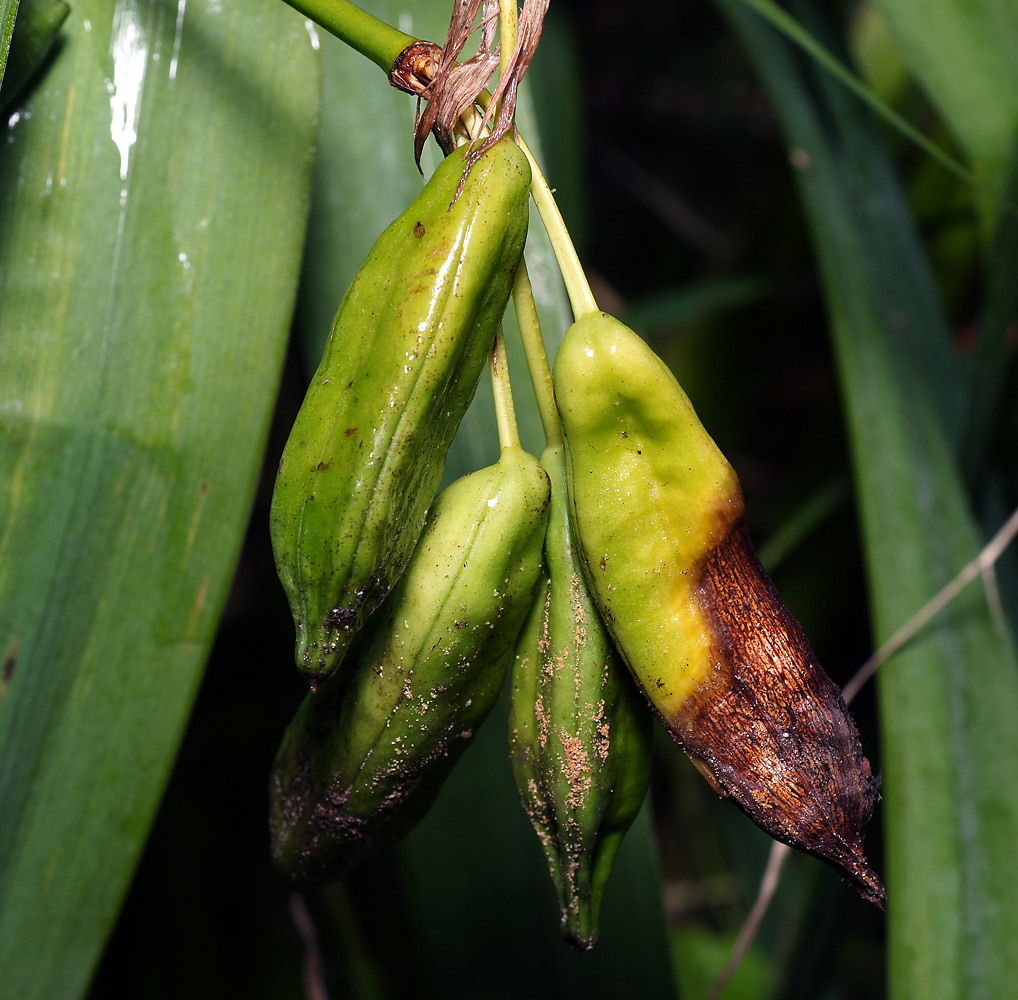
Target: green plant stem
581 298
537 357
505 411
508 30
577 287
373 38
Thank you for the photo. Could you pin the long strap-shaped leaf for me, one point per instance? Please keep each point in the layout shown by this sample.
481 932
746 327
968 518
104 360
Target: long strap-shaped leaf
947 703
152 203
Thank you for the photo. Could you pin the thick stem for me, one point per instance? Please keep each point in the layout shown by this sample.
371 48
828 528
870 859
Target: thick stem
505 412
537 358
373 38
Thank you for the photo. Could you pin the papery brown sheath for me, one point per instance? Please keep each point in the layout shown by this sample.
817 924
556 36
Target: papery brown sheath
450 87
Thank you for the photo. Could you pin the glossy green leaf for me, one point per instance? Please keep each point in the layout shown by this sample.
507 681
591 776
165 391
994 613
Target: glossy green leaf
153 198
36 30
948 702
363 177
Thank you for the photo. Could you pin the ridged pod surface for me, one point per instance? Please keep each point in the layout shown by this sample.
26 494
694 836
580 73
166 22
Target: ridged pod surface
366 452
660 516
366 754
579 731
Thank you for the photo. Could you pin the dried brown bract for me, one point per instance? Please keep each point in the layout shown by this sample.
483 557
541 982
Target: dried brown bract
448 86
504 98
451 87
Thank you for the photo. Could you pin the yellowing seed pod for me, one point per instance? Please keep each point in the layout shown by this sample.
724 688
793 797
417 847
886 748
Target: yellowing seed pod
660 517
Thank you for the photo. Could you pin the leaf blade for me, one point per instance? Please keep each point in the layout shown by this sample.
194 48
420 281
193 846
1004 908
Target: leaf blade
146 307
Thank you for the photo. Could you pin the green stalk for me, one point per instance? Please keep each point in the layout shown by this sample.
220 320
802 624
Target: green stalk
581 298
537 357
373 38
523 292
505 411
577 287
508 30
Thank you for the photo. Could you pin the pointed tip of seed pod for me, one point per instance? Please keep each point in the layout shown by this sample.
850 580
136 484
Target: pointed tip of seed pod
840 844
796 767
579 943
580 915
866 882
579 926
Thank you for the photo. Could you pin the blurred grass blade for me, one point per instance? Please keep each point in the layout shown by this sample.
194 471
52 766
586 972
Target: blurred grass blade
963 54
897 274
477 832
992 358
152 205
791 28
948 702
683 306
36 30
804 519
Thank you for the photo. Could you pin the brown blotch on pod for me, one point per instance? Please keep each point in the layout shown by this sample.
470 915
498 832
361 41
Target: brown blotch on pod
770 728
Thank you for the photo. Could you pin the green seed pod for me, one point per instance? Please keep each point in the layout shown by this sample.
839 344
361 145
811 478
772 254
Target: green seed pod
579 731
365 755
660 517
366 452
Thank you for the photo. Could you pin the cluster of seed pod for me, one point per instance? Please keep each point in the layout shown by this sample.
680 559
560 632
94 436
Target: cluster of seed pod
660 517
624 547
398 689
